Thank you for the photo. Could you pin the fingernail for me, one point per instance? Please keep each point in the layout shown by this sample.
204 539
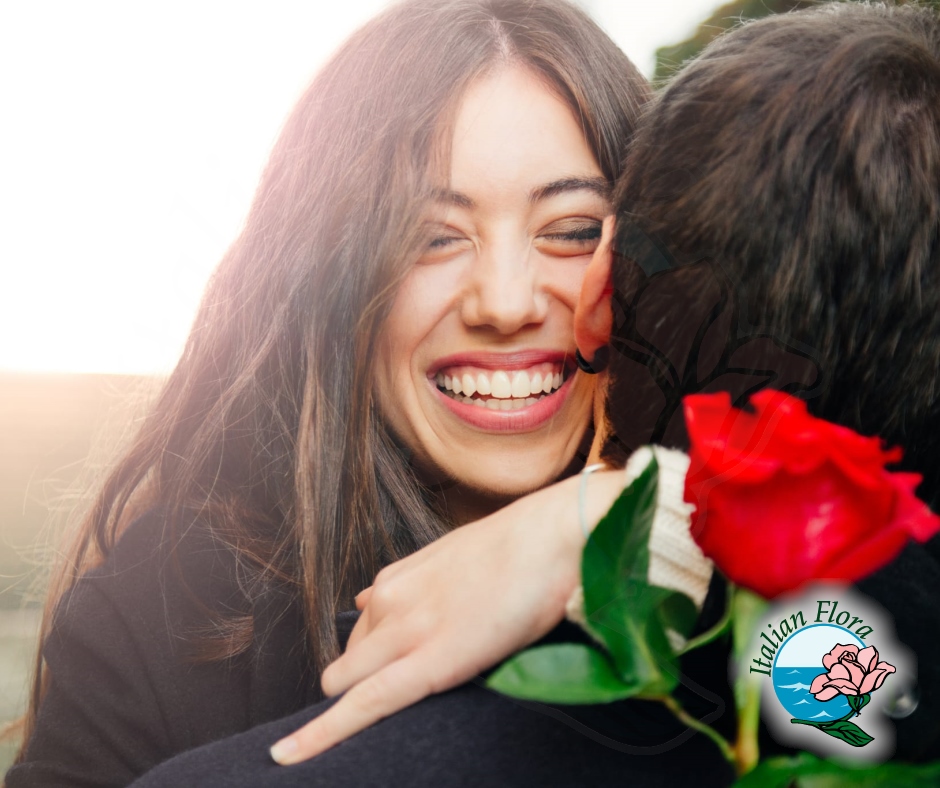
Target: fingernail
284 750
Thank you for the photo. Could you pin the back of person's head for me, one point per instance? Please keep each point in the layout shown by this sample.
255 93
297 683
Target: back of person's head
798 158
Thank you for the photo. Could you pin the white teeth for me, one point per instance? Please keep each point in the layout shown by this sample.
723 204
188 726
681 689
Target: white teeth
468 385
520 384
515 388
502 388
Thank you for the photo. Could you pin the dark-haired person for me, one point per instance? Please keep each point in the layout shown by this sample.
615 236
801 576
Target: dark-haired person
385 353
796 163
798 159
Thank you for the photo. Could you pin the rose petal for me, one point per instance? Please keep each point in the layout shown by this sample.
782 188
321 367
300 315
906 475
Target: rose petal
840 671
818 683
888 667
827 694
876 678
856 674
732 443
867 658
844 686
873 552
912 514
835 655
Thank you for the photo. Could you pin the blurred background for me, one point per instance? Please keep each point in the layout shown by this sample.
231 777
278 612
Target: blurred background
133 137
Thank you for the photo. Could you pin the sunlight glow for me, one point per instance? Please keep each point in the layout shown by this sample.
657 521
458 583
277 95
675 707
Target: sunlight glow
133 137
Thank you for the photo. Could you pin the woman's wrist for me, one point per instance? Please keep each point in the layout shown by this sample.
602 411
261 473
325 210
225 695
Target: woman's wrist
568 509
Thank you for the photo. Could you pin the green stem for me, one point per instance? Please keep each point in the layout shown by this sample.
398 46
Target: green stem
747 611
710 634
673 705
746 750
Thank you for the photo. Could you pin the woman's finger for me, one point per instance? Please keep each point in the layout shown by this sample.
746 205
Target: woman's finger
396 687
362 598
361 629
372 652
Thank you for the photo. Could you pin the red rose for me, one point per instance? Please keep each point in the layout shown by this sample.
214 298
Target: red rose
783 498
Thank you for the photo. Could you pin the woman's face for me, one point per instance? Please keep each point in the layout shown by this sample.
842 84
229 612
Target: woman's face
476 373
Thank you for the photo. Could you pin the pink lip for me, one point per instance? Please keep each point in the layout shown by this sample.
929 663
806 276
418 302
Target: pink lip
508 361
525 419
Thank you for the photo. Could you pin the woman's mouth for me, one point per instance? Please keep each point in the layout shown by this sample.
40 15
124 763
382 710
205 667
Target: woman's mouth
508 393
498 389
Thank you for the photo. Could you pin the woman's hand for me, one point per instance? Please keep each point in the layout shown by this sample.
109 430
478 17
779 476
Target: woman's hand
441 616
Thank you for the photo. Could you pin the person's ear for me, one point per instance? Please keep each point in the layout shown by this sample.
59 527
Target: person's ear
594 316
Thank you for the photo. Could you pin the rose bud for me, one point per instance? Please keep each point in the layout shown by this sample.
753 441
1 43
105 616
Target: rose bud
783 498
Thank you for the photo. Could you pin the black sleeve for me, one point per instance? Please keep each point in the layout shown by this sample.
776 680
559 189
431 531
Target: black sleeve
126 691
468 736
101 721
473 736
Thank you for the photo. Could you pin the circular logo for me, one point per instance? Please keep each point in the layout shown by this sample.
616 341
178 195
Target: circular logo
798 663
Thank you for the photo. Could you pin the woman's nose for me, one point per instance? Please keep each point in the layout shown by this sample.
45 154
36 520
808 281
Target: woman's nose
504 291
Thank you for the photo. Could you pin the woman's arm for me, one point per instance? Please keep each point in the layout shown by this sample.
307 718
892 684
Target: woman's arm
507 576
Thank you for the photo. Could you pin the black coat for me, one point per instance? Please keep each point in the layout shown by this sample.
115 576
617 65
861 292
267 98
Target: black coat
126 694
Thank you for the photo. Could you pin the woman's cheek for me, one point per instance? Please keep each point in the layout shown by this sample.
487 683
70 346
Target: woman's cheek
563 277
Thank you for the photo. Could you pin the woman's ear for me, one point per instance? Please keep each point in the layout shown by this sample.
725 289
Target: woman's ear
594 317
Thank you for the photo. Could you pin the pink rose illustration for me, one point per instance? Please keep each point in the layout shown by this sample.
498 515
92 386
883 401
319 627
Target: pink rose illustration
851 672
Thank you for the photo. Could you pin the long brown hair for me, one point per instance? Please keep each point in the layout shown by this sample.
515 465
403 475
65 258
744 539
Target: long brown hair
267 432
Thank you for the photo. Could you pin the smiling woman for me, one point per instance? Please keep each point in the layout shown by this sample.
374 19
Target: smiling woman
426 217
475 372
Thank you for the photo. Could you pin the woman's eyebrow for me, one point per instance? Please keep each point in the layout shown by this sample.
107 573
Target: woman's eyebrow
450 197
599 186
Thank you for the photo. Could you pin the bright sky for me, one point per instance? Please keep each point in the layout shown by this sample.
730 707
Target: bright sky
133 135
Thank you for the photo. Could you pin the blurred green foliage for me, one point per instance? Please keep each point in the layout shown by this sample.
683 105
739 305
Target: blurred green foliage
670 58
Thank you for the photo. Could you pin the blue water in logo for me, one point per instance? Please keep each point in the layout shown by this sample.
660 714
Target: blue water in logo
792 688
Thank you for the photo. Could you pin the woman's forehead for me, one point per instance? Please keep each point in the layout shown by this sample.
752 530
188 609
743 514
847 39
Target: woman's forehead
511 131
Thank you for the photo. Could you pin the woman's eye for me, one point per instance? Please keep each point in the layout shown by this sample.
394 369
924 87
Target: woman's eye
442 245
570 239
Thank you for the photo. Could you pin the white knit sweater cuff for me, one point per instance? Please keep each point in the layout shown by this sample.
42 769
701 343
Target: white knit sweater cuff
675 560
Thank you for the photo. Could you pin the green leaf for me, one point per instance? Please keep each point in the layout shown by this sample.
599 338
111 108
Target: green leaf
637 641
679 613
626 613
618 549
560 673
808 771
849 732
